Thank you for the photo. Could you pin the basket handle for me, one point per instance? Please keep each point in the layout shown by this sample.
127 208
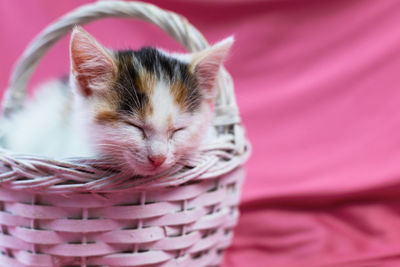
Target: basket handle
173 24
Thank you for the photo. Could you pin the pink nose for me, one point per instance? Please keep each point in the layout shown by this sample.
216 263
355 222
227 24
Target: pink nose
156 160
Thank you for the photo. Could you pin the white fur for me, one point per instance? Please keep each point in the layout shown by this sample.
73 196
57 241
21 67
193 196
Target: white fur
46 126
163 106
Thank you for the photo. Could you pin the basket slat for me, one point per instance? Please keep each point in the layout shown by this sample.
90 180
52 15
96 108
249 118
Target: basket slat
160 230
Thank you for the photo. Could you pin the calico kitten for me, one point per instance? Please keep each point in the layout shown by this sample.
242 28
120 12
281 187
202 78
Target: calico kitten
144 109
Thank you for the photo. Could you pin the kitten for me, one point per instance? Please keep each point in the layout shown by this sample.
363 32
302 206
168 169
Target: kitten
144 110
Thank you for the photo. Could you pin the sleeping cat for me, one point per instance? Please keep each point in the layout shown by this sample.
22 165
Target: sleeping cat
144 109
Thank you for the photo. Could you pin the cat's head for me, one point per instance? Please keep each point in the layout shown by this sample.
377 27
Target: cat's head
145 109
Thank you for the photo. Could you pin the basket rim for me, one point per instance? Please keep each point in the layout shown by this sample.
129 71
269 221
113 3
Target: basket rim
24 172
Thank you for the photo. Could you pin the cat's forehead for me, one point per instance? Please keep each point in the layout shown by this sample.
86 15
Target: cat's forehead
150 81
164 112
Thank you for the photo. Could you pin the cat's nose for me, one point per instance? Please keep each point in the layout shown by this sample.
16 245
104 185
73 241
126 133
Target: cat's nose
157 160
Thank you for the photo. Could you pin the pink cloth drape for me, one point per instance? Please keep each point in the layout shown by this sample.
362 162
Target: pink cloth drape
318 87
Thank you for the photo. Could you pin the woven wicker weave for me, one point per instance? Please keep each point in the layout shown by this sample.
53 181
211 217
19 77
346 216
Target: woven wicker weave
78 213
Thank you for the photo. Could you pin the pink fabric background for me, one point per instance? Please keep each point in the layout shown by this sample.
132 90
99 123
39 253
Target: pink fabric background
318 87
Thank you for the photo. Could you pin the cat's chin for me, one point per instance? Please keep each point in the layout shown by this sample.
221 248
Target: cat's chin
143 171
137 168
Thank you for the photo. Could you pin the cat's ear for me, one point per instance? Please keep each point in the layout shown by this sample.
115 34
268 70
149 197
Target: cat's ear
92 66
206 65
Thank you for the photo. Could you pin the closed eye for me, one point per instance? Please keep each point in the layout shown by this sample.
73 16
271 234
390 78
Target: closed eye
179 129
137 127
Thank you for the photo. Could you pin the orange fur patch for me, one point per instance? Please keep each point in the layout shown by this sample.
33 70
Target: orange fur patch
106 116
178 90
147 82
170 122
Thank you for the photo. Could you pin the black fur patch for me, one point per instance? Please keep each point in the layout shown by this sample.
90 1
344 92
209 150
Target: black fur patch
133 97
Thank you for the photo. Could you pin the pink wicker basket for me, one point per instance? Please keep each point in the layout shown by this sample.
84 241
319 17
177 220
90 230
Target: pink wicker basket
78 213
